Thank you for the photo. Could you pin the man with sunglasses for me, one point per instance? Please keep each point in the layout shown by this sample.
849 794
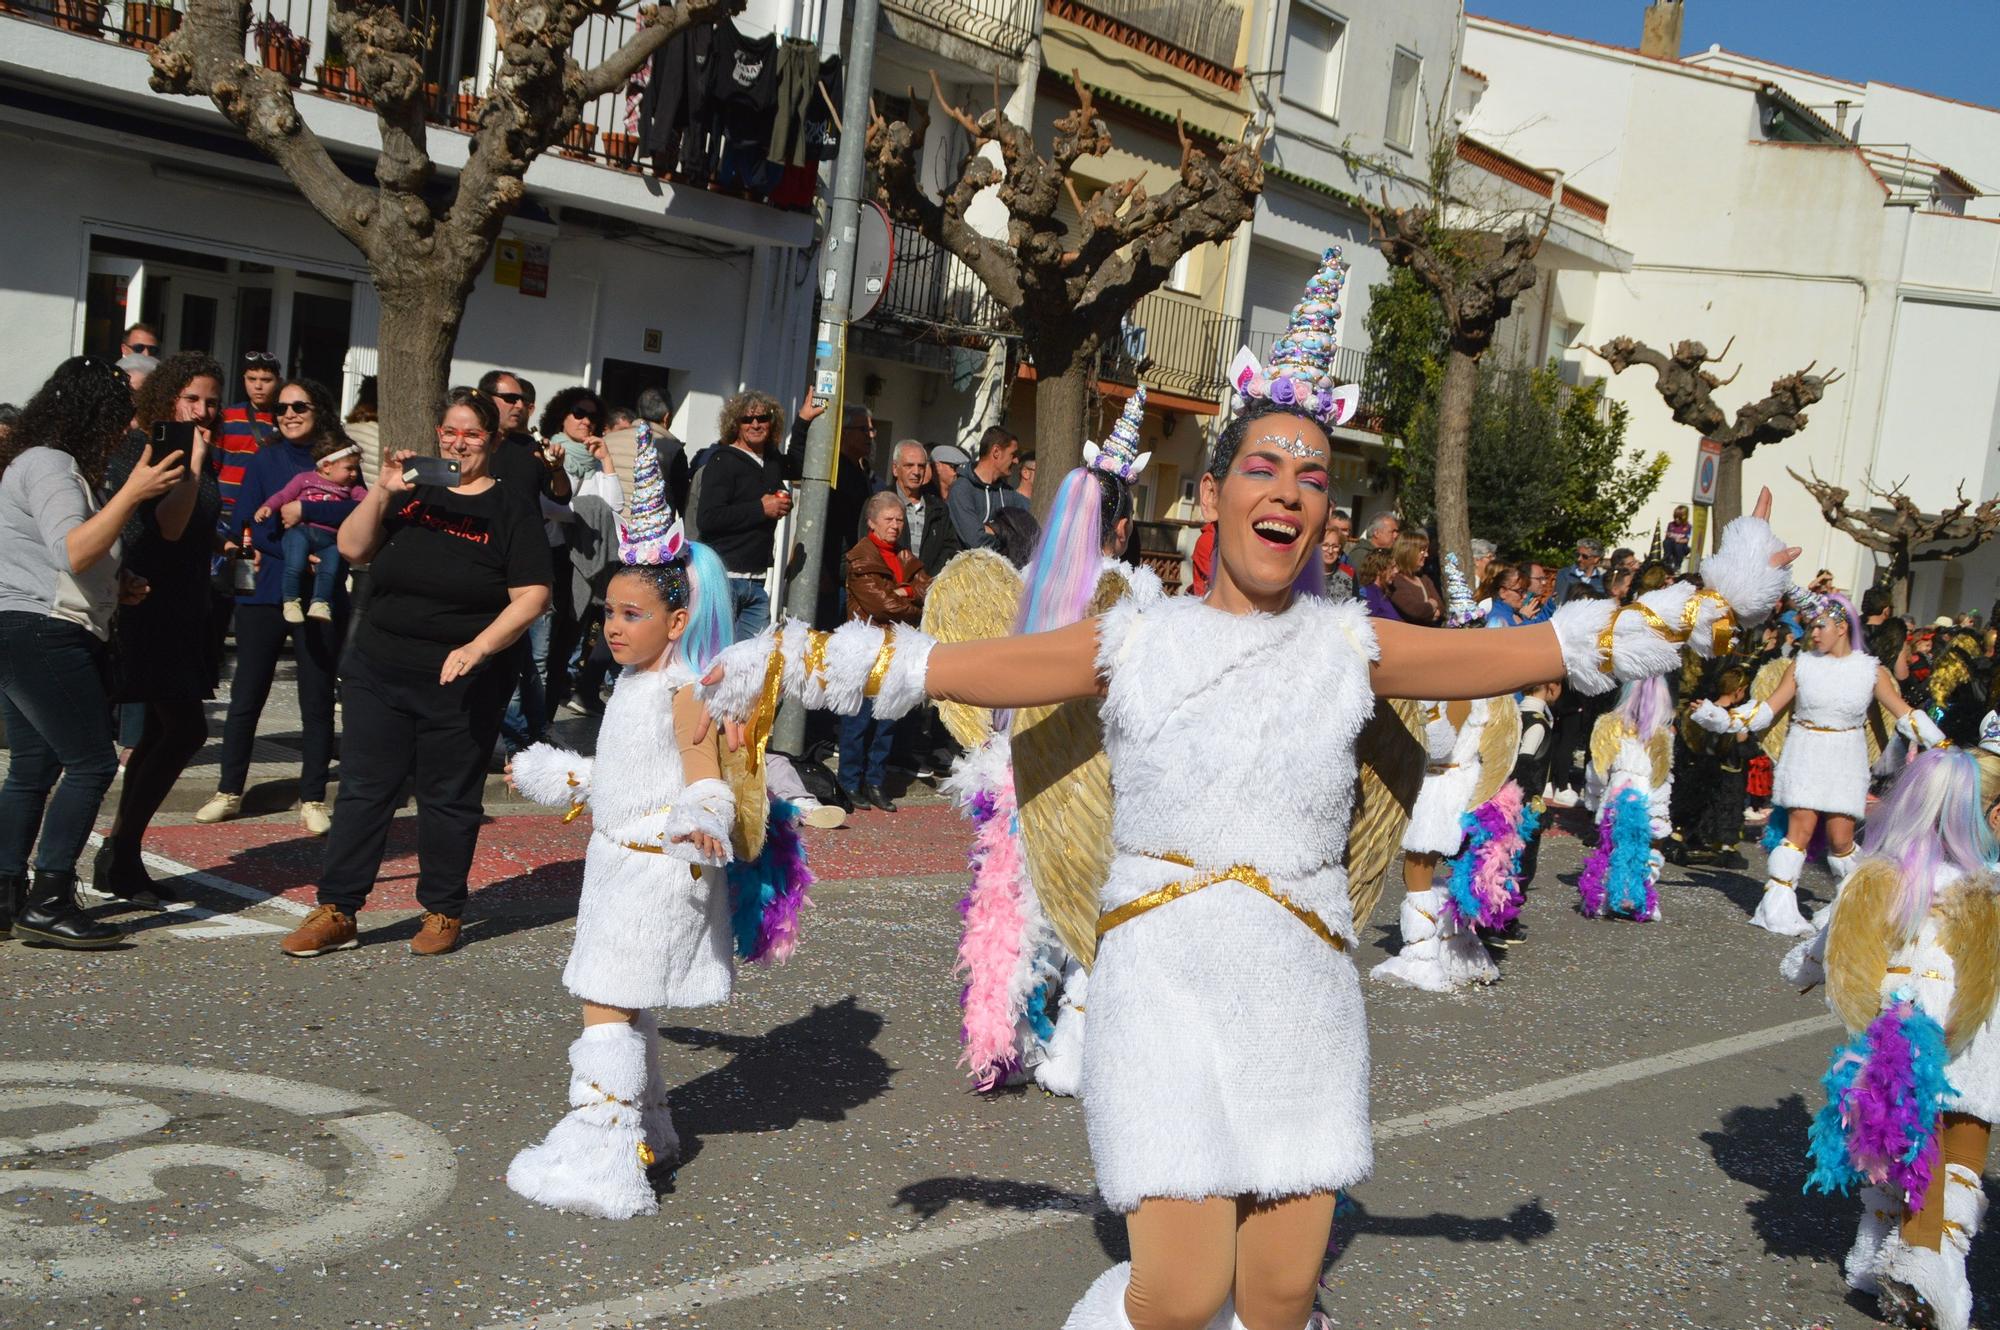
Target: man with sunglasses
140 340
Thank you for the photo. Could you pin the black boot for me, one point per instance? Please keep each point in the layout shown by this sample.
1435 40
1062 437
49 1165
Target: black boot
873 794
118 871
12 887
50 917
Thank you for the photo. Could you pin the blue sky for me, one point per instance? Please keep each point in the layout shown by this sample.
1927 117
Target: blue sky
1942 46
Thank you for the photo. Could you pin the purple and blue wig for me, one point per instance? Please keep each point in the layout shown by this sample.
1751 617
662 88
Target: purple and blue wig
1929 823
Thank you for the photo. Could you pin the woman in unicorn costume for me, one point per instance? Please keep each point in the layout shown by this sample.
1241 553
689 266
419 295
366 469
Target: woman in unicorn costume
1474 842
1822 775
653 926
1226 1061
1010 957
1629 785
1912 967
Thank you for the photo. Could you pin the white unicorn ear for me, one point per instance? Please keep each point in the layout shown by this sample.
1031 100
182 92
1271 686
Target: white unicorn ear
1138 465
1345 399
1090 452
676 542
1244 370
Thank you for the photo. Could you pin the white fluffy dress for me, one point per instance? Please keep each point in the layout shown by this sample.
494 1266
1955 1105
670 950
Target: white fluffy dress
1226 1052
1825 763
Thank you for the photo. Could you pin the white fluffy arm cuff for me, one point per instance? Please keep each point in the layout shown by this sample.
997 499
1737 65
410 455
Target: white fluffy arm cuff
705 806
1760 718
1919 728
826 671
554 777
1712 717
1740 569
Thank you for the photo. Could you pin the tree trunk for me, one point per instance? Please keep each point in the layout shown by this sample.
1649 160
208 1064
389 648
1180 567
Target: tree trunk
1728 491
420 320
1900 574
1062 410
1454 516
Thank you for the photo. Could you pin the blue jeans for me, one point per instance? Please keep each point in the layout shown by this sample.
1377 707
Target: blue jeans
864 747
58 719
528 713
300 543
752 605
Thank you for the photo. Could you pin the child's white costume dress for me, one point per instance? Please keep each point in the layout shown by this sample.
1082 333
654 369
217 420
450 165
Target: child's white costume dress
652 930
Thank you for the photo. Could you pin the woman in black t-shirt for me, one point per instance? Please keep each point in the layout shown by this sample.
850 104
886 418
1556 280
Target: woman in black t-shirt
456 576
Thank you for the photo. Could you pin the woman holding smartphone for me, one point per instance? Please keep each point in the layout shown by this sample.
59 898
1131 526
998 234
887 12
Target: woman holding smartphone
458 569
163 655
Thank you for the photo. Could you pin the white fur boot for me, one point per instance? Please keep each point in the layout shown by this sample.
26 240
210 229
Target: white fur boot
655 1117
1061 1069
1879 1212
1842 865
1436 955
1102 1307
1778 912
592 1162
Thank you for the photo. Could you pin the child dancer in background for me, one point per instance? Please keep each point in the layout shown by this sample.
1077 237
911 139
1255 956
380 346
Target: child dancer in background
1713 746
1531 767
1628 785
1912 966
653 925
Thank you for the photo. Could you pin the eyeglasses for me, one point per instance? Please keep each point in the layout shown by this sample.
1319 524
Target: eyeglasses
449 435
511 399
144 348
589 413
293 409
260 360
764 419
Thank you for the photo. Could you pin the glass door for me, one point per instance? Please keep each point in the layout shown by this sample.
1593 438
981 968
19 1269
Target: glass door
201 316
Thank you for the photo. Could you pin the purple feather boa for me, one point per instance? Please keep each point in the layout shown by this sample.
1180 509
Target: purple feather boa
1619 878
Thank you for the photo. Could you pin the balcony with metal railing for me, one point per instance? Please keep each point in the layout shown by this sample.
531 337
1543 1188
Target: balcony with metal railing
1205 28
1174 343
1006 26
932 291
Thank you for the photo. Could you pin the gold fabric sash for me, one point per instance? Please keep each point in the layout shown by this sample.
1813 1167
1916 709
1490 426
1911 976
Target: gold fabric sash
1241 873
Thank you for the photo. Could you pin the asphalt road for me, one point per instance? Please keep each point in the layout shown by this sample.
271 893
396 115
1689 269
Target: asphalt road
197 1131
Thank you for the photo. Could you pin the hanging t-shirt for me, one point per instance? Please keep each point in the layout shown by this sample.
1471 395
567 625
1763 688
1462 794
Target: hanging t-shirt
743 86
443 574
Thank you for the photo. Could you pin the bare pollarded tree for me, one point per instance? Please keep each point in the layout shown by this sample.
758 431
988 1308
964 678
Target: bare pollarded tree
1688 388
1904 534
1064 290
424 247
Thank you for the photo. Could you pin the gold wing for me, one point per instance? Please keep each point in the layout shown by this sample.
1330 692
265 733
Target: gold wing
1858 942
1390 753
975 596
1499 745
1605 736
1661 750
1878 727
1062 785
1969 931
743 768
1761 688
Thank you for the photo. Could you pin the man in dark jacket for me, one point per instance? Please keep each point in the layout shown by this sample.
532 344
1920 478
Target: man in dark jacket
927 529
741 495
983 491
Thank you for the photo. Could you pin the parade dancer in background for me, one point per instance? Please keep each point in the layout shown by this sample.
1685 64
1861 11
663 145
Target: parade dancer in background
1713 748
1226 1068
1628 784
1912 956
1822 772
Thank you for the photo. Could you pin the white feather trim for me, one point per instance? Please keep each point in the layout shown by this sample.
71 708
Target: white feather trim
1741 570
979 771
742 665
850 655
1711 717
705 806
1937 1276
554 777
909 666
1878 1211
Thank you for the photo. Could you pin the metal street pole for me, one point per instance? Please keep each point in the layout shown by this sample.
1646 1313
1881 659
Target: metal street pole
836 289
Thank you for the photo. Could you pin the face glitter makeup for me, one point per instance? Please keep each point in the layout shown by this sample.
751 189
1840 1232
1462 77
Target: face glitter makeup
1291 444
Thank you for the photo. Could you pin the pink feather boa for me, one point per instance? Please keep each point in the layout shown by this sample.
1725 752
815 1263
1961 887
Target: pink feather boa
990 950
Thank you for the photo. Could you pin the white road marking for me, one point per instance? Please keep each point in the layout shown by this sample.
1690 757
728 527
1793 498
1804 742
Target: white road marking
751 1281
208 924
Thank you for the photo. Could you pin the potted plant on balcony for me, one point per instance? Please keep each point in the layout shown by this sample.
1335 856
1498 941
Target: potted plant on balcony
86 16
579 141
148 23
622 149
336 78
282 49
465 110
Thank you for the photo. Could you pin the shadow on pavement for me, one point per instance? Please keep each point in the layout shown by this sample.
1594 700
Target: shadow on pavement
1765 1148
818 1068
1527 1222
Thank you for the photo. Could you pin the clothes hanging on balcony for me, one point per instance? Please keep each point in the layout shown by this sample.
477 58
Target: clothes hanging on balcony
799 183
674 113
798 75
743 101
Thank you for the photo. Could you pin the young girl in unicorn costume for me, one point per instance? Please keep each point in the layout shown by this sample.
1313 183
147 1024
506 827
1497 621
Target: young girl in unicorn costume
1477 849
653 926
1912 967
1226 1061
1010 957
1629 785
1822 775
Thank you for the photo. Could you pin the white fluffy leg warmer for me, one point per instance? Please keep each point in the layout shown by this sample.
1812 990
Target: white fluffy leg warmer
1779 910
1436 955
1103 1306
1878 1214
1842 865
1964 1203
1061 1069
592 1162
655 1118
1935 1280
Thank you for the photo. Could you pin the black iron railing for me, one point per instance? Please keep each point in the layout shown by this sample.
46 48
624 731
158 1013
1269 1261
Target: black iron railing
1172 342
930 288
1208 28
1006 26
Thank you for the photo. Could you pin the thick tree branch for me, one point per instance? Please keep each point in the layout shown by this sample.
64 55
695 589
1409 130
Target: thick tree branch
1688 388
656 27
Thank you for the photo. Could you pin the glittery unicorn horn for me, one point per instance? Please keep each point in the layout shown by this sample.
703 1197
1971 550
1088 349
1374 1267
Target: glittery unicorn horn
1119 454
1462 610
651 532
1300 370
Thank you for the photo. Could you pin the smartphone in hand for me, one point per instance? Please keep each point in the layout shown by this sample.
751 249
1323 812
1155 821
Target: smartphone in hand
431 471
172 436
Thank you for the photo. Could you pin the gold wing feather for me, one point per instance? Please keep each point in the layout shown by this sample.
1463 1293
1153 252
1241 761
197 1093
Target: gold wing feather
1969 931
1878 727
1761 688
743 767
1499 745
1062 786
1390 754
1858 942
1661 750
1605 736
975 596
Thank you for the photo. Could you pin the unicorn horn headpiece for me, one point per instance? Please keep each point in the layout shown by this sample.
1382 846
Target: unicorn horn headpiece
1813 605
1462 609
1300 372
651 531
1119 454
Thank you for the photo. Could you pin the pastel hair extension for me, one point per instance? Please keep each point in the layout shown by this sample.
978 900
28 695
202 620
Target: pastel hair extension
1930 821
1647 706
1062 577
709 627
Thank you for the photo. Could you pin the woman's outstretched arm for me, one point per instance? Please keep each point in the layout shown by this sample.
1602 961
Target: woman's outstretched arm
1007 673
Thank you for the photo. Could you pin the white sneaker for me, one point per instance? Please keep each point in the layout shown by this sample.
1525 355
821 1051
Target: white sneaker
219 809
321 611
294 612
315 818
816 814
1561 798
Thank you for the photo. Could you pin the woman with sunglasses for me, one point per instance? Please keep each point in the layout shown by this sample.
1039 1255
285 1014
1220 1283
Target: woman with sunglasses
60 545
574 418
164 658
456 575
306 420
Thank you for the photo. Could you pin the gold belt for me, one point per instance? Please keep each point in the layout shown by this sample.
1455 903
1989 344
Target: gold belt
1927 974
1439 768
1241 873
1826 729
